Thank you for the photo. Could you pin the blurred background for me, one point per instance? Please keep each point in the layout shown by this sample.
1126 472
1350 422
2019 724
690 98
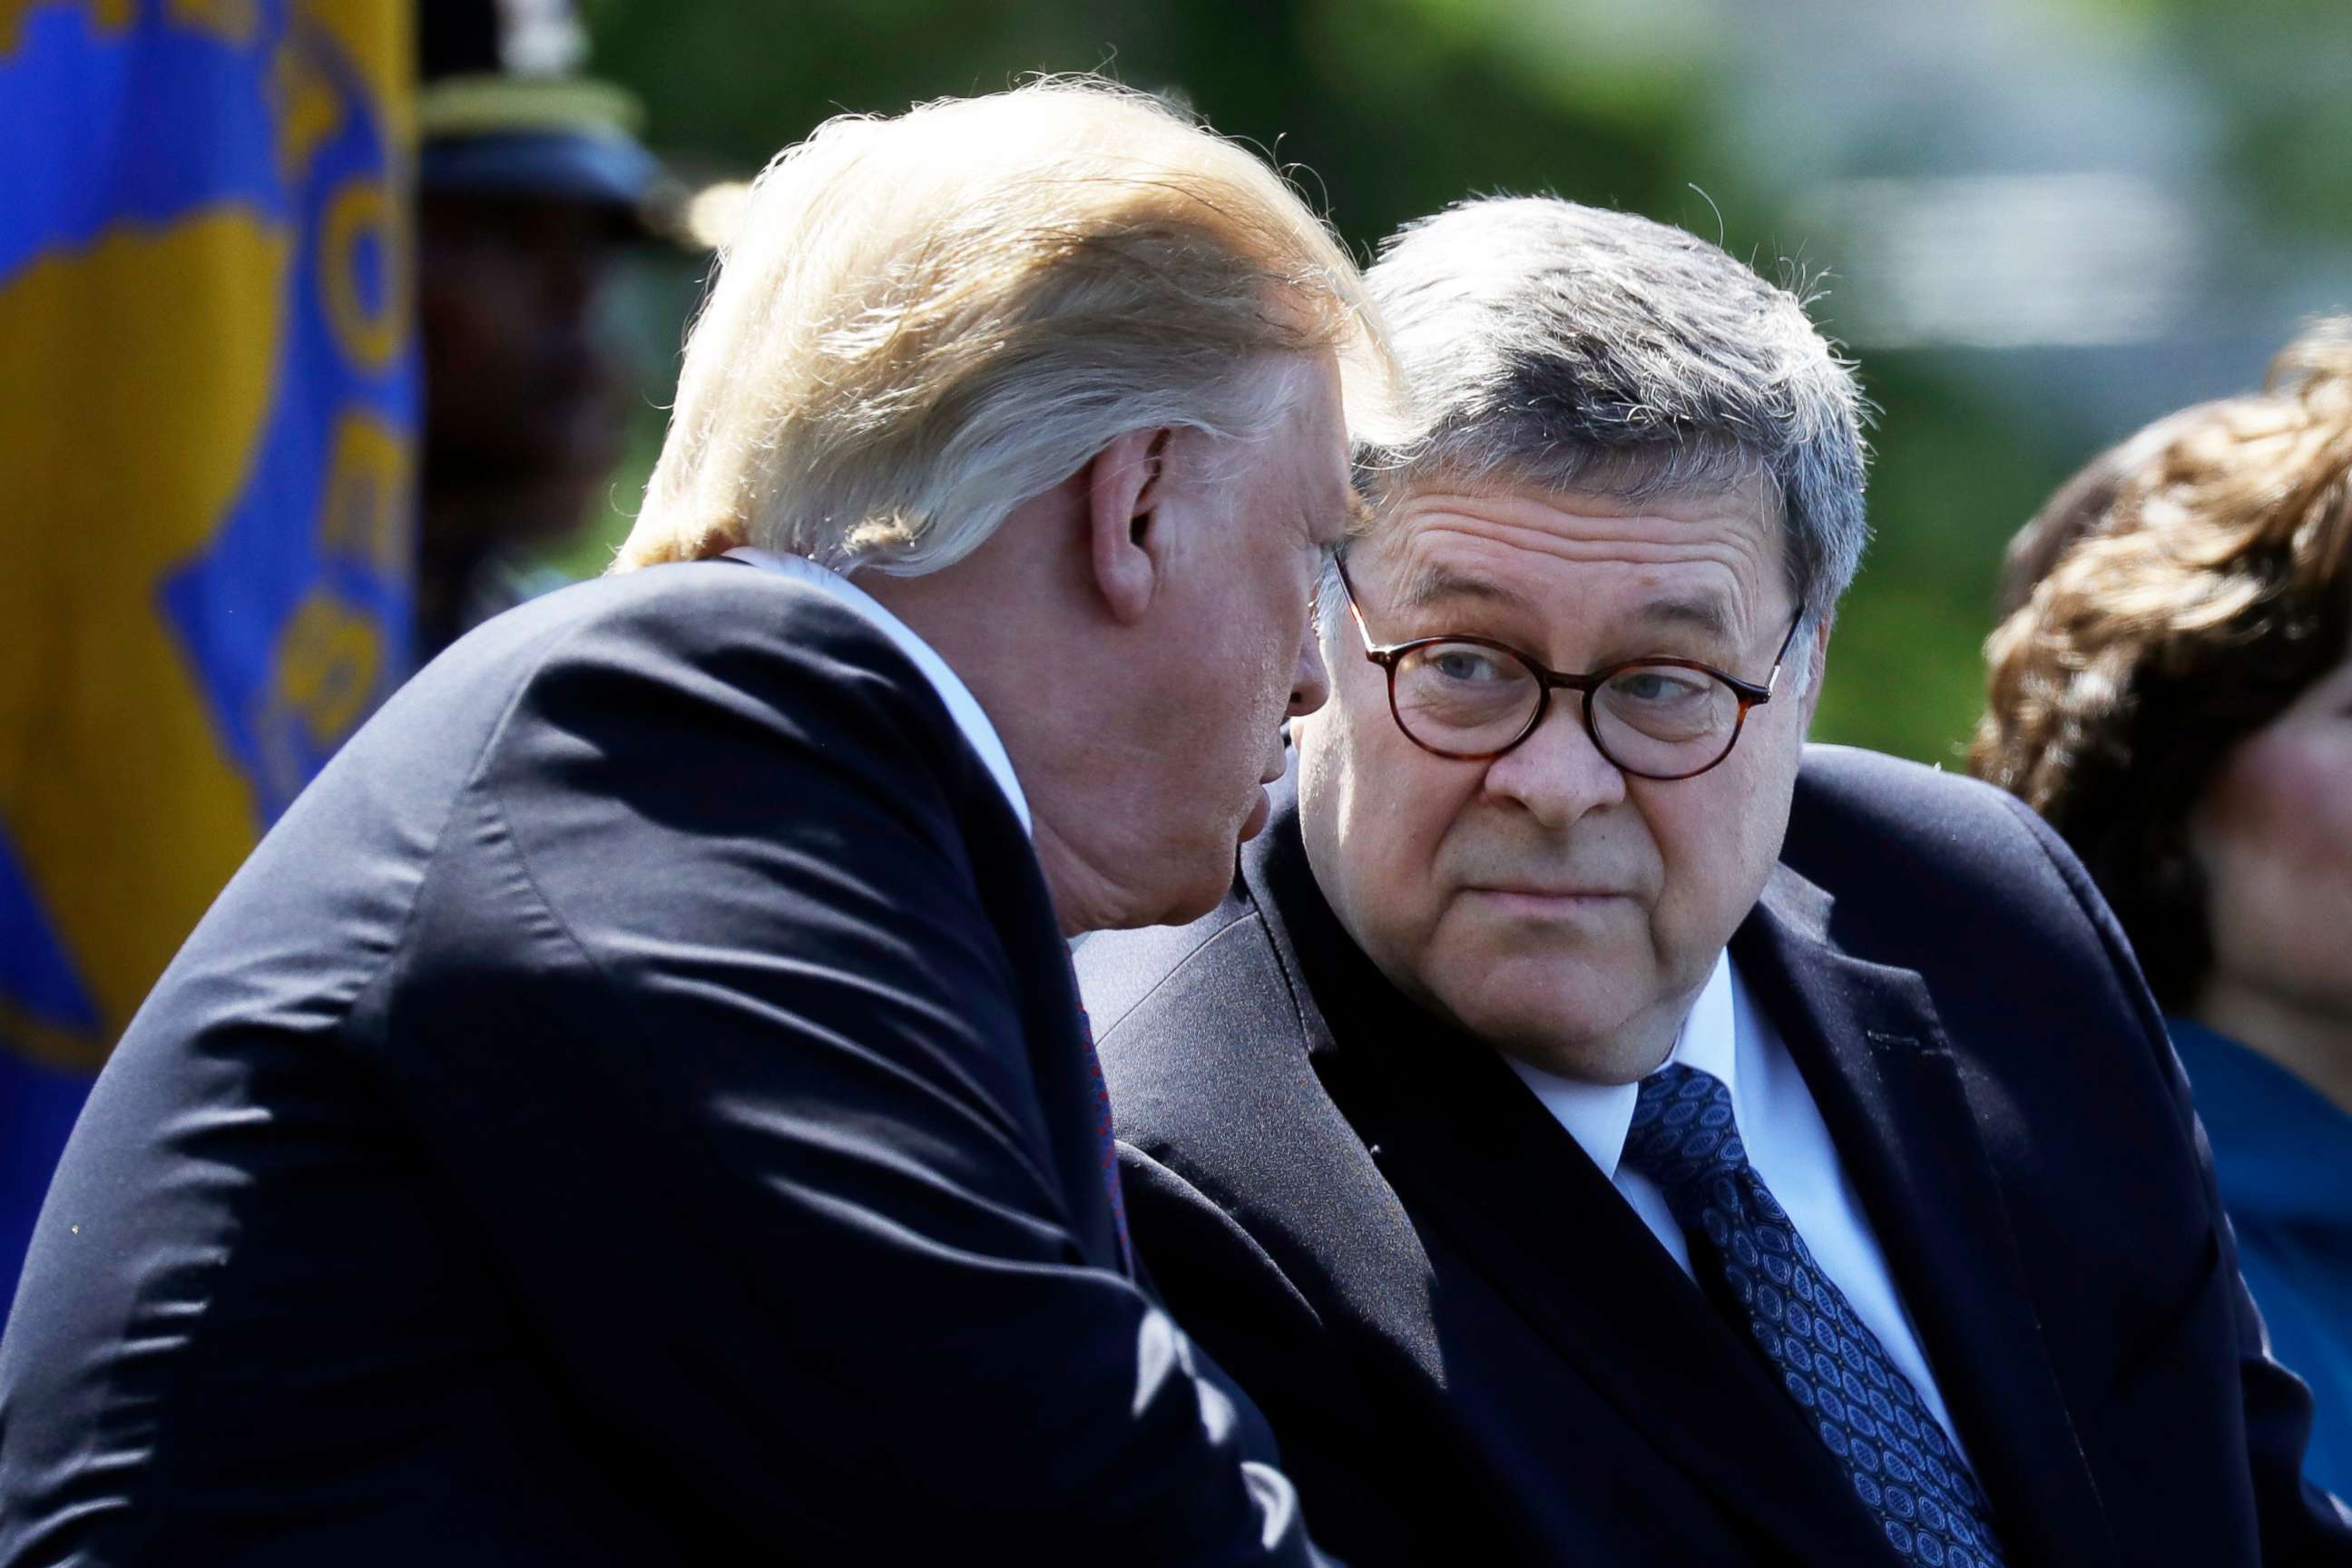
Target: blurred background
223 308
2035 223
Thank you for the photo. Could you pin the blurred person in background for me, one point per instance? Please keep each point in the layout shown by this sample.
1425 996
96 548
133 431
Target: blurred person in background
530 186
1599 1127
2172 690
635 1107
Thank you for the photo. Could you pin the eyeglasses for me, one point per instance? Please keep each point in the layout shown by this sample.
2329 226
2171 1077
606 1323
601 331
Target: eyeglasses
1472 699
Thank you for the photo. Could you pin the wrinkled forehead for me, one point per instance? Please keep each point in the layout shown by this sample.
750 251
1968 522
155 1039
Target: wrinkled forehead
1692 468
1448 534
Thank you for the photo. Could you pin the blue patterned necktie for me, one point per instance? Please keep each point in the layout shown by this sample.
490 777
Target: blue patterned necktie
1869 1417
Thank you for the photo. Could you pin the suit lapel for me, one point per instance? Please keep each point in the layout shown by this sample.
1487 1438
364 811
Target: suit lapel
1469 1149
1873 1052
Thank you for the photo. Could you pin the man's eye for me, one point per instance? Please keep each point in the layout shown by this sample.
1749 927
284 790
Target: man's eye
1658 687
1468 665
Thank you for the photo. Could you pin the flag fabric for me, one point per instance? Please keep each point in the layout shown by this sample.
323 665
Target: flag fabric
208 393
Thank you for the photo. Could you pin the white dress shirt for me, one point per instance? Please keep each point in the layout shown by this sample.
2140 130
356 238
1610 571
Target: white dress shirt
1726 1034
971 717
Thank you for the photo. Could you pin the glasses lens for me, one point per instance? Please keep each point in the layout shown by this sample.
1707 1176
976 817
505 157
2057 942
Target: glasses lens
1463 698
1664 720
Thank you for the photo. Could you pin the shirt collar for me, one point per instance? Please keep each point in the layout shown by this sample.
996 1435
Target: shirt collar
1598 1115
969 717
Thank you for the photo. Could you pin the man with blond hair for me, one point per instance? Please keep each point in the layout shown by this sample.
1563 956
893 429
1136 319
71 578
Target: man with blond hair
635 1107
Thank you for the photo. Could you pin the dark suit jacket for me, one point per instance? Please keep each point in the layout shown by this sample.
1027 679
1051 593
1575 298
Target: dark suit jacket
633 1108
1469 1341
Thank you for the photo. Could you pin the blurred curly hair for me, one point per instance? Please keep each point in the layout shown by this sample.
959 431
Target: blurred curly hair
2172 598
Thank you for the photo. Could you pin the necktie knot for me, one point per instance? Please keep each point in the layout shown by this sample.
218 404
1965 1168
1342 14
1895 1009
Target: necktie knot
1684 1131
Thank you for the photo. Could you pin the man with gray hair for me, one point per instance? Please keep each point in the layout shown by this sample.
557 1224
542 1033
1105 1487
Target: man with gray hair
1599 1127
635 1107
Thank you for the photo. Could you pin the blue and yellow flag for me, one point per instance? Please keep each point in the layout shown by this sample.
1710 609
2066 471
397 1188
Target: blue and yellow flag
208 409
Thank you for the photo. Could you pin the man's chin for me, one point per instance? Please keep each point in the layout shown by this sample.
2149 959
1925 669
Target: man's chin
1606 1062
1175 905
1183 906
1578 1031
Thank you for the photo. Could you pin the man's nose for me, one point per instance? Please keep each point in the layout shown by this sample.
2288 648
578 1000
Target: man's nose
1556 773
1310 682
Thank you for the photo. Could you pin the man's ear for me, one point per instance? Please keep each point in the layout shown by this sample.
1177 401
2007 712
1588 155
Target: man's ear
1125 492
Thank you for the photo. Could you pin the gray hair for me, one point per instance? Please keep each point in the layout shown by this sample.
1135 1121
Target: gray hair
1575 349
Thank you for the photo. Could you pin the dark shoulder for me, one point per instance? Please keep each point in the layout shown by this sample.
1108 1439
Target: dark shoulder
1861 819
1195 1026
1175 1008
716 680
1890 798
710 624
696 765
1205 1046
1936 871
1121 970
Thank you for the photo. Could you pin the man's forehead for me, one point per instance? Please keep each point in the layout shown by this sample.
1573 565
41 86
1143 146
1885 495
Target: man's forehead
1690 550
1701 608
1747 499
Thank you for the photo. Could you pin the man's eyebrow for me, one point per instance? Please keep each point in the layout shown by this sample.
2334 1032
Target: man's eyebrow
1704 614
1433 584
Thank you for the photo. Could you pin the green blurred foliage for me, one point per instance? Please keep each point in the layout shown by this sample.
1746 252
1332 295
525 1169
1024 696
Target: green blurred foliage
1952 478
1390 109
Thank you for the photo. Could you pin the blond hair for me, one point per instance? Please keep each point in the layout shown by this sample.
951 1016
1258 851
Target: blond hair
925 320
